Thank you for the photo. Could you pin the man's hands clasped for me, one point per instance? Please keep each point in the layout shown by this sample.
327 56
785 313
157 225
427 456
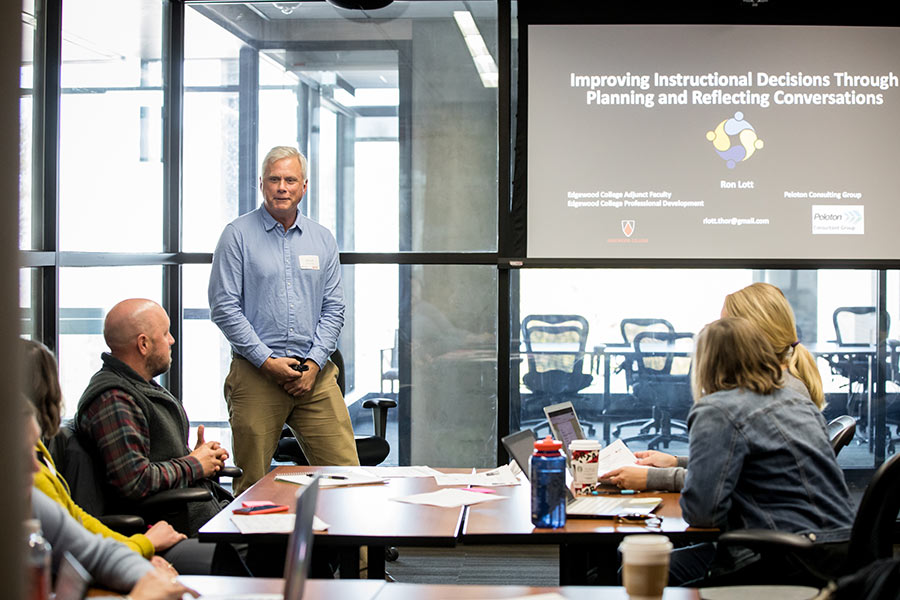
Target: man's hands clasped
283 372
211 455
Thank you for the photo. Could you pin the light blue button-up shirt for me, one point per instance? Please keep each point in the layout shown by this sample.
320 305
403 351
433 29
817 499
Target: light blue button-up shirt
274 292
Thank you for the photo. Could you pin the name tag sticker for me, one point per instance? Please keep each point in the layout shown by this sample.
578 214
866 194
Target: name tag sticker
309 261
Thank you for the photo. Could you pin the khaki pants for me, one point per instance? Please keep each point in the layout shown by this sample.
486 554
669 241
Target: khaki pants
258 408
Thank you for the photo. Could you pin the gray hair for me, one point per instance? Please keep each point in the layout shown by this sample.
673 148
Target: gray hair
280 152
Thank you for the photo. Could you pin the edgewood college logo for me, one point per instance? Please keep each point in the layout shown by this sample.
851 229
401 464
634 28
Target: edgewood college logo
628 227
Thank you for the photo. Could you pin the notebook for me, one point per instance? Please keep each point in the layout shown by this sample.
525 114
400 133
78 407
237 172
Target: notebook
520 446
299 555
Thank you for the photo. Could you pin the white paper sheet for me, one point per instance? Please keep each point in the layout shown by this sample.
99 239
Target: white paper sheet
388 472
326 480
548 596
449 498
614 456
273 523
496 477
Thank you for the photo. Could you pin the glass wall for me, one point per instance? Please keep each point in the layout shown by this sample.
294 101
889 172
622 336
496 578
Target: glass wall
400 130
398 112
110 135
605 384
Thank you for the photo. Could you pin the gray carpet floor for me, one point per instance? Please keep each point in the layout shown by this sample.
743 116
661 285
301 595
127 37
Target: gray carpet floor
508 565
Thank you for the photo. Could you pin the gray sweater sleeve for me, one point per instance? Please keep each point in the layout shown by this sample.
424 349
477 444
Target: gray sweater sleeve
110 563
669 479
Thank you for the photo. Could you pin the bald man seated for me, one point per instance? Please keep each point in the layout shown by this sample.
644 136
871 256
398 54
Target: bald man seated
139 428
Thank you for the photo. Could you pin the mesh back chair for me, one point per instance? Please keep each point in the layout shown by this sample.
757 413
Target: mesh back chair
854 326
630 328
554 345
841 431
662 381
871 537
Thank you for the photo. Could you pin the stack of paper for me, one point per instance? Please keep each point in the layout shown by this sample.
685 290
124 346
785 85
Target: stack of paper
449 498
493 478
354 477
272 523
400 471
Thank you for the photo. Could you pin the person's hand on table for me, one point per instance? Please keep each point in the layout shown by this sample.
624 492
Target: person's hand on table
654 458
159 584
163 536
627 478
163 565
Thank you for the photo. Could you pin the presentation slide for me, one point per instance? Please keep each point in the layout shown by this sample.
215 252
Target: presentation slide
696 141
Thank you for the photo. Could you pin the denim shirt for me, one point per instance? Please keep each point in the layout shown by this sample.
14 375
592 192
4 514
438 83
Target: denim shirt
764 462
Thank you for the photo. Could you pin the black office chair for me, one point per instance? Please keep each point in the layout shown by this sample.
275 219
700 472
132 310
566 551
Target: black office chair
630 328
78 461
662 381
841 431
371 449
854 326
871 538
554 346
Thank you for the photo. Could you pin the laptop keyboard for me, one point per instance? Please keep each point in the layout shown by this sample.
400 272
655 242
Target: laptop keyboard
595 505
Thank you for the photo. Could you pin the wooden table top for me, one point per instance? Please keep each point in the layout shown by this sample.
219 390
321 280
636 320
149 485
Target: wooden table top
411 591
313 589
509 521
356 515
363 589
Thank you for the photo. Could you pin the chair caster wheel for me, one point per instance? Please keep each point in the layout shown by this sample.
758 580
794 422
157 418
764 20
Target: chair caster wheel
391 554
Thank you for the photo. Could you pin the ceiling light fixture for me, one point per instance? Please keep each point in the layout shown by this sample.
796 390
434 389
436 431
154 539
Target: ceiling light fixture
360 4
286 7
481 56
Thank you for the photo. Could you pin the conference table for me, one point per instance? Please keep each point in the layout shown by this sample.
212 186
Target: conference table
358 516
583 543
366 516
343 589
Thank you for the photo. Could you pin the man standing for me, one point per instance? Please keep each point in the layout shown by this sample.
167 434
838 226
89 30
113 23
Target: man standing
275 292
139 428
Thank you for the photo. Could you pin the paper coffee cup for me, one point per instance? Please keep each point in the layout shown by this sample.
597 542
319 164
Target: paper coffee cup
645 565
584 455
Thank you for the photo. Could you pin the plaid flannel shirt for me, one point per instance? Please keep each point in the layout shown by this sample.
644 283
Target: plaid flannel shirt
123 438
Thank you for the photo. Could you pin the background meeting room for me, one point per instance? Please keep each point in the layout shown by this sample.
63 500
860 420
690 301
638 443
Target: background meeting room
444 139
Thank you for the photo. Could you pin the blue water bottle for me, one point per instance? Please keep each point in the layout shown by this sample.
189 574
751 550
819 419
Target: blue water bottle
548 484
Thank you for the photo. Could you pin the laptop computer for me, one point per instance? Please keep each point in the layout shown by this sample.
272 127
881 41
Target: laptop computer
299 554
72 580
520 446
564 424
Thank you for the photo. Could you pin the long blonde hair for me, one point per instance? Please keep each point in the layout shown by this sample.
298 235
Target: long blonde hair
733 353
767 308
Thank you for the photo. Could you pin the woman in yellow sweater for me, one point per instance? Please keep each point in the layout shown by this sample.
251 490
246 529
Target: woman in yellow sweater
41 386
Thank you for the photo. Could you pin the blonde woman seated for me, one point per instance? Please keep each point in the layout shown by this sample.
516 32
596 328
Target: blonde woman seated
765 306
760 455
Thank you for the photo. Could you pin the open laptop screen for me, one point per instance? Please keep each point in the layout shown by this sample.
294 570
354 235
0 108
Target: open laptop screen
296 566
520 446
564 423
